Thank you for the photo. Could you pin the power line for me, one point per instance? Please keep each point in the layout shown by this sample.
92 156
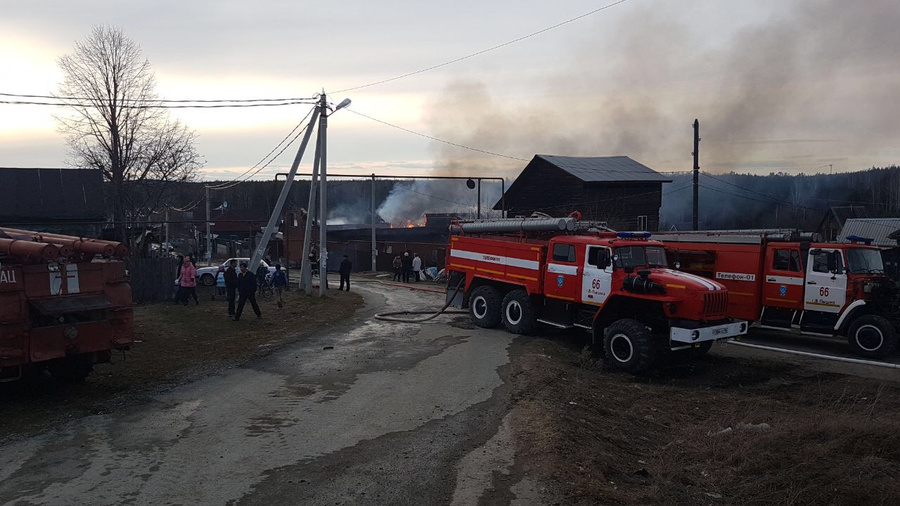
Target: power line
595 201
435 138
257 171
302 121
483 51
159 106
163 100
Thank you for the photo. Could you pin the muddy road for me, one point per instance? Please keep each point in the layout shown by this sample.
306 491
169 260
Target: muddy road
368 412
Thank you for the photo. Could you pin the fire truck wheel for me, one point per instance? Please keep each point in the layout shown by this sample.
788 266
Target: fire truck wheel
872 336
484 306
518 315
629 345
208 280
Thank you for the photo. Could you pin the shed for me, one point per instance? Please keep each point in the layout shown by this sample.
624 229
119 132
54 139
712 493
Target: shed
877 229
620 191
68 201
834 219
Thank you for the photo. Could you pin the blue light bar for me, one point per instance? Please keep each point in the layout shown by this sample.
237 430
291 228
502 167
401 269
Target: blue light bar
856 238
633 235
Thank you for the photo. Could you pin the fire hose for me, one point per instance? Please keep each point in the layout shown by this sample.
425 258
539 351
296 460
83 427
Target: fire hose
393 316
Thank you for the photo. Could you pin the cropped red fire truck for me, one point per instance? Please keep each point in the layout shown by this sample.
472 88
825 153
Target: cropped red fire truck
783 280
65 304
565 273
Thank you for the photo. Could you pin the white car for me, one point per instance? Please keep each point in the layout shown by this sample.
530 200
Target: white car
207 275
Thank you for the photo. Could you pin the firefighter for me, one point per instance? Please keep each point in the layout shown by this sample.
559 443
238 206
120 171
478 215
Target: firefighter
246 292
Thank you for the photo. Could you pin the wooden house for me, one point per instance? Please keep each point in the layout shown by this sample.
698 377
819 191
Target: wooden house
617 190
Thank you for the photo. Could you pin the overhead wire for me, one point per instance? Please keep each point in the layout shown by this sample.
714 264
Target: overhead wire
238 180
164 100
484 151
483 51
160 106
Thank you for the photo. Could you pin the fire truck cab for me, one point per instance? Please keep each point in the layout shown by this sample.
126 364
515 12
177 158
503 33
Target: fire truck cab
616 285
784 283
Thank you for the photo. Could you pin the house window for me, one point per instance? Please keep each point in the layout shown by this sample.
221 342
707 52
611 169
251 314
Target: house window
642 222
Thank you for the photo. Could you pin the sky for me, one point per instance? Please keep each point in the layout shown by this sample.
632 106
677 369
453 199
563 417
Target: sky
777 85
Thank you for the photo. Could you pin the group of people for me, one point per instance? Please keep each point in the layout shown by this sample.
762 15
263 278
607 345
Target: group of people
407 267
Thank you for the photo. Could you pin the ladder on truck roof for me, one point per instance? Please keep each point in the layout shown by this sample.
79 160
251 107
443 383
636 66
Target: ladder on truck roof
754 236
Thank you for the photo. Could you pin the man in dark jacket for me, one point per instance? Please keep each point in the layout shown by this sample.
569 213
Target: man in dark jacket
406 261
231 284
246 291
345 269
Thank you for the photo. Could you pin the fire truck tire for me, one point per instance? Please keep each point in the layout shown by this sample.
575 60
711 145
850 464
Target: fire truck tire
207 280
517 314
872 336
484 306
629 345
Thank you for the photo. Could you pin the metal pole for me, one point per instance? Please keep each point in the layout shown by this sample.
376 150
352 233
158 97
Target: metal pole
323 199
306 265
479 199
208 236
285 190
374 244
696 154
168 244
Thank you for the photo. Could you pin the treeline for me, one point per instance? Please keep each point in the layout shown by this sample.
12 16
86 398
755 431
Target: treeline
777 200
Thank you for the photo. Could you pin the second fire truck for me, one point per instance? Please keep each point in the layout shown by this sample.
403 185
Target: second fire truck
786 281
563 273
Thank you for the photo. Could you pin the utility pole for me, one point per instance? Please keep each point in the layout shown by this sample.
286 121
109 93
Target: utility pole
374 244
478 212
306 265
696 154
285 190
323 197
168 244
208 236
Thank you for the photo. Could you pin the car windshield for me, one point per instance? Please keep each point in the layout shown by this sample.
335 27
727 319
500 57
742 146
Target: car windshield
629 257
864 261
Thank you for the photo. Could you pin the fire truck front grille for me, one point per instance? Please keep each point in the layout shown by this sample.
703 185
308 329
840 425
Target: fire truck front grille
715 303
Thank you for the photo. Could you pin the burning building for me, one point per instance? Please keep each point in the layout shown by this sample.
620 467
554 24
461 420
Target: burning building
625 194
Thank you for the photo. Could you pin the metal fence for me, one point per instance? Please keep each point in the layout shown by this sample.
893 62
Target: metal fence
152 279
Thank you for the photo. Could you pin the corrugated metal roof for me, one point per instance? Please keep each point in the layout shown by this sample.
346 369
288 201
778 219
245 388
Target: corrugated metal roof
58 194
877 229
606 169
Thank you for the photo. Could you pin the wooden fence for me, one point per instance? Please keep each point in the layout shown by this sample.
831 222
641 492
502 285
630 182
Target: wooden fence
152 279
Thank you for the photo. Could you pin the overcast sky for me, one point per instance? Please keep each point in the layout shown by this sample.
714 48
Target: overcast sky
777 85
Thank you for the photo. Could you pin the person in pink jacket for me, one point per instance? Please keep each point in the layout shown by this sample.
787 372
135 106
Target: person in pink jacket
188 282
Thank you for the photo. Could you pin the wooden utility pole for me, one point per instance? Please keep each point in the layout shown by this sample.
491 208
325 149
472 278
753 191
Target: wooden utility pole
696 154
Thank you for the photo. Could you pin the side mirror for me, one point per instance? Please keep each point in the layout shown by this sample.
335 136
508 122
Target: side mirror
834 266
603 259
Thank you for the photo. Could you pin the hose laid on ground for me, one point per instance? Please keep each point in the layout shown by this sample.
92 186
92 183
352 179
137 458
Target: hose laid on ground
390 317
816 355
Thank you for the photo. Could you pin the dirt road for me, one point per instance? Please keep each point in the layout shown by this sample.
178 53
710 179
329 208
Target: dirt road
446 413
367 413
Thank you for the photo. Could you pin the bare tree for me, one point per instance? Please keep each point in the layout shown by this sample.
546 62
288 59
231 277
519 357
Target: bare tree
115 123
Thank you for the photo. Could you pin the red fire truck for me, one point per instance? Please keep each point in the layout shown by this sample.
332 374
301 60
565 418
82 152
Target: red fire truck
65 304
563 273
785 281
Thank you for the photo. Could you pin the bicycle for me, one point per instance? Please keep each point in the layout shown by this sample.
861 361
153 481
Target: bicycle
265 287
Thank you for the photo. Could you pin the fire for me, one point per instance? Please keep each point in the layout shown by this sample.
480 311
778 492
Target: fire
409 224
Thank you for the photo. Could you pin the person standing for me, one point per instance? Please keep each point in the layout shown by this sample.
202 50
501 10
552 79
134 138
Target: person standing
231 283
187 281
346 267
407 266
398 264
262 272
417 266
246 292
279 282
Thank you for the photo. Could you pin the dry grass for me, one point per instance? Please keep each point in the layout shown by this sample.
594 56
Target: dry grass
658 439
174 344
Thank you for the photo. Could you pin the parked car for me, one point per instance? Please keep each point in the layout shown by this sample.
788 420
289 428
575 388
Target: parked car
206 276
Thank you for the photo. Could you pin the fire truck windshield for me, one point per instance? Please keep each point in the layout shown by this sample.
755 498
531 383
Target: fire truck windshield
864 261
629 257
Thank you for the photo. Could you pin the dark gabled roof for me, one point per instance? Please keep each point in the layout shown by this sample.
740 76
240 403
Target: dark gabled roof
608 169
51 194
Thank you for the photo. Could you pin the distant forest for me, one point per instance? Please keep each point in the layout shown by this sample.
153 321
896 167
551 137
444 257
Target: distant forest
740 201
